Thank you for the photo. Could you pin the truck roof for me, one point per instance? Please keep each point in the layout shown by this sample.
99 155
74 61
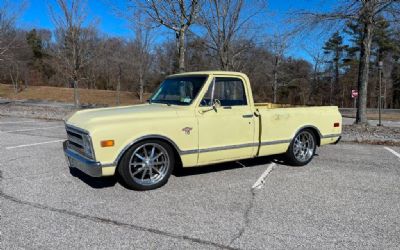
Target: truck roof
211 72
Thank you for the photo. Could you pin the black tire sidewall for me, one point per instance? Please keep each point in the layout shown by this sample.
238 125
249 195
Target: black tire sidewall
290 154
124 171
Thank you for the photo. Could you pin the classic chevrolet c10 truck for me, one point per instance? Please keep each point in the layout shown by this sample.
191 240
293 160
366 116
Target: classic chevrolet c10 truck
194 119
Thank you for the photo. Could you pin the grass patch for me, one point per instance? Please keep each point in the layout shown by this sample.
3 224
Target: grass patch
57 94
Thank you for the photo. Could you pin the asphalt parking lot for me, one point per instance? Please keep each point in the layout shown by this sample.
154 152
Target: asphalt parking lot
347 197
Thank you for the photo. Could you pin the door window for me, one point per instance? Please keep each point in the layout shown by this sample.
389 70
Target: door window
229 91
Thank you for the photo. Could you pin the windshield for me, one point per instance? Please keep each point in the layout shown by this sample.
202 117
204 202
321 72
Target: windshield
178 90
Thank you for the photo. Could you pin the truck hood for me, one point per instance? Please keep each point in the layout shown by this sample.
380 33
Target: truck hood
90 118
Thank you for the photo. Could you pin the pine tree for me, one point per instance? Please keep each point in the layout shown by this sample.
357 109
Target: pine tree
382 40
35 42
354 32
335 48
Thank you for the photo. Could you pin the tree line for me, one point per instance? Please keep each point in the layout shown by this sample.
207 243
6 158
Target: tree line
173 36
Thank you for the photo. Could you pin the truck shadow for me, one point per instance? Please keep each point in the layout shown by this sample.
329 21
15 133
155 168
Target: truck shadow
106 182
248 163
93 182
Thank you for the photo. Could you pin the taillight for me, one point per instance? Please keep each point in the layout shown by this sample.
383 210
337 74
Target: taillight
336 125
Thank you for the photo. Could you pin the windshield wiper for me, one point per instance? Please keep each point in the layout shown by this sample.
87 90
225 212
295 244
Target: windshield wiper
170 102
161 102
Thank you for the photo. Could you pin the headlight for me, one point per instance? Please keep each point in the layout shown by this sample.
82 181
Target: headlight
87 146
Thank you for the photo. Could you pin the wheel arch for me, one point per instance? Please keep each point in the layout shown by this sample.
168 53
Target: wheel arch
162 138
314 129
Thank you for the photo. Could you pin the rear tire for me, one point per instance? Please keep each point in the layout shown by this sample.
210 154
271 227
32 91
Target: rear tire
302 148
147 165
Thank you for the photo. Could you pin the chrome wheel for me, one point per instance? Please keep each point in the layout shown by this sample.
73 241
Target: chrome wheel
304 146
149 164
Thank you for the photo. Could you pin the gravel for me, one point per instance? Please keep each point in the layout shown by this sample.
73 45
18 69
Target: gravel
371 134
50 113
38 109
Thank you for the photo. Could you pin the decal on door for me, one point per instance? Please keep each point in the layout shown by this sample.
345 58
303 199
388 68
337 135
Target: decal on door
187 130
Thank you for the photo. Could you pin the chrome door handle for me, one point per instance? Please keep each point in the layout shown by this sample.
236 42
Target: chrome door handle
247 116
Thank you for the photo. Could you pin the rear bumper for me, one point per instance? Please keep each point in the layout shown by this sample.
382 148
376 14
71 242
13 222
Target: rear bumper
75 160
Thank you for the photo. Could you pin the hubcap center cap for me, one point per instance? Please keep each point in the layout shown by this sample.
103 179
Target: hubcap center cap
147 163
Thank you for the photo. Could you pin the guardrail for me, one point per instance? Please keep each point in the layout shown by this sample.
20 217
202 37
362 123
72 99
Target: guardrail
370 110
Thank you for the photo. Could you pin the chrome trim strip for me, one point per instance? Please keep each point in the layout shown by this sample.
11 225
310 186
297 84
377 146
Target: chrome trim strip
275 142
331 136
206 150
111 164
246 145
188 152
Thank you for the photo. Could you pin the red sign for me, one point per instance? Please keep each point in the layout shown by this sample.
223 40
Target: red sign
354 93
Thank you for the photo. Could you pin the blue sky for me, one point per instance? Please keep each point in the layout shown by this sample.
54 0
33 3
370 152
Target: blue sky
37 16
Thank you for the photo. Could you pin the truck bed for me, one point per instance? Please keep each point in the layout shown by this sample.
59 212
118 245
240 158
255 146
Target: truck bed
280 123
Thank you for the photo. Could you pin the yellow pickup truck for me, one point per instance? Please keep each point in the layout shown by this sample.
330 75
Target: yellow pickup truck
194 119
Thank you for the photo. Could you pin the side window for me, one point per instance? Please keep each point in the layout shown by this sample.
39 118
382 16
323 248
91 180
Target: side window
229 91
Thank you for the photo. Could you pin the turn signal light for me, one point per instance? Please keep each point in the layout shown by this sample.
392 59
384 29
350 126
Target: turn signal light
107 143
336 125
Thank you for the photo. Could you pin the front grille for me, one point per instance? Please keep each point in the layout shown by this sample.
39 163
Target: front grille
75 140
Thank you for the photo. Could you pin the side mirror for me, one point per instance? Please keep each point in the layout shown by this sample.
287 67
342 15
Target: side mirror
216 104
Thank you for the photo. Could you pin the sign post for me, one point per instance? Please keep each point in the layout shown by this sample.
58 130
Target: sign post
354 95
380 92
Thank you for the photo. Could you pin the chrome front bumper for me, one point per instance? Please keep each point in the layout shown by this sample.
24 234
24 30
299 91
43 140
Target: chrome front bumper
75 160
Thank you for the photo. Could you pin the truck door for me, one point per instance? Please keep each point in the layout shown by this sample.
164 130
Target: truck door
226 122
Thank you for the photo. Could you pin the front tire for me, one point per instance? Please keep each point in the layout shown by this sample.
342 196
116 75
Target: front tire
147 165
302 148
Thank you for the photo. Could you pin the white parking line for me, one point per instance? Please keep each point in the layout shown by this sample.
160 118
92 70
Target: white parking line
260 182
31 129
392 151
26 123
33 144
17 122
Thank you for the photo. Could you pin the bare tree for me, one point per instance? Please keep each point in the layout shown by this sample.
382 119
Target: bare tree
17 59
318 59
12 47
110 62
9 12
277 45
222 20
176 15
140 47
74 41
142 43
367 13
227 22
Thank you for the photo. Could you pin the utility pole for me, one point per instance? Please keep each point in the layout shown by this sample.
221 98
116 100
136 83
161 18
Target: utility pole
119 85
380 66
